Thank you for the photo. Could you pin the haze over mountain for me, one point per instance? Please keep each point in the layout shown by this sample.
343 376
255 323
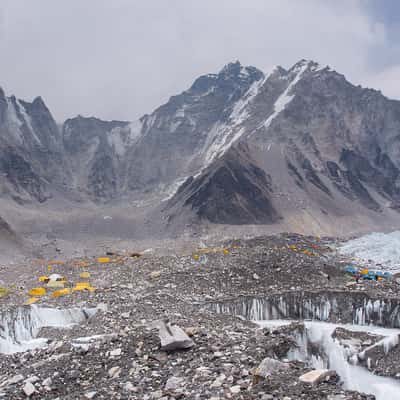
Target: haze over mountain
295 146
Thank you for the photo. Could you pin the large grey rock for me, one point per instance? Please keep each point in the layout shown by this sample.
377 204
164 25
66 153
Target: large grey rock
269 366
173 337
174 383
316 376
29 389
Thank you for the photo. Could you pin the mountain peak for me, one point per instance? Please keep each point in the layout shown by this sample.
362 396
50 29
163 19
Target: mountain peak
38 101
236 69
232 68
310 65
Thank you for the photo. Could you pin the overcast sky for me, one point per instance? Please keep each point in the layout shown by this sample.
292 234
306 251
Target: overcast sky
119 59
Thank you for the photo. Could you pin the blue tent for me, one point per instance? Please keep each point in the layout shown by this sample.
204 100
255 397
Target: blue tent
350 269
388 275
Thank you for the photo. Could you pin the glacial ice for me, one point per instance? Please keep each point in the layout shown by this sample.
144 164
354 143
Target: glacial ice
20 326
334 356
358 312
380 248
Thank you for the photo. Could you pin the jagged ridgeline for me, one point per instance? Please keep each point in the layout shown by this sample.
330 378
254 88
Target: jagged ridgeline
237 147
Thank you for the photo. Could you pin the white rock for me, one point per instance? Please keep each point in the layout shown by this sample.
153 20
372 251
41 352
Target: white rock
47 382
316 376
173 383
114 372
115 352
29 389
90 395
32 379
155 274
267 397
219 381
235 389
15 379
129 387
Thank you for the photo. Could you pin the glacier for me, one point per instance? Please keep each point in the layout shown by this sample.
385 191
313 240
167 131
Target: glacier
20 326
376 250
321 315
334 356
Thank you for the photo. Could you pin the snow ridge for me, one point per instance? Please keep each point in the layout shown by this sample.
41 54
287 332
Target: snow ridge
286 97
223 136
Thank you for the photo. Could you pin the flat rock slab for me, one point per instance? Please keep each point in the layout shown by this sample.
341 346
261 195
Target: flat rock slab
316 376
173 337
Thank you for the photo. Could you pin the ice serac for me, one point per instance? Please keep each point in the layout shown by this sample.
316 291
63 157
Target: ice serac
331 306
20 326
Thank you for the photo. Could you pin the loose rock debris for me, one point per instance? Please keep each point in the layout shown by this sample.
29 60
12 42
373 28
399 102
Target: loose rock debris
195 354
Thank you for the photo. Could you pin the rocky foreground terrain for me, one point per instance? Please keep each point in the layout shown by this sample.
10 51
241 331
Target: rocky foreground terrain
132 347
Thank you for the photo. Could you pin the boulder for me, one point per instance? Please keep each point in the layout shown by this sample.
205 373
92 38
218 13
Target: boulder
29 389
173 337
268 366
174 383
316 376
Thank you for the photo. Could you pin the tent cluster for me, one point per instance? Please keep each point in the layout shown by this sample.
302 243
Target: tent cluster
56 285
60 283
367 274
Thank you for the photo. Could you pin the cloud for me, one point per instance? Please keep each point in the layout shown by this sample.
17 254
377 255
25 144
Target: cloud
387 80
122 58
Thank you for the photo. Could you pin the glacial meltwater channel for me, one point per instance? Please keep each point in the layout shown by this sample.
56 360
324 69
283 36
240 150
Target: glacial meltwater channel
20 326
321 313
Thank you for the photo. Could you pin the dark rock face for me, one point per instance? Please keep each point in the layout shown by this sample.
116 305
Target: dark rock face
31 150
96 149
383 177
231 191
21 175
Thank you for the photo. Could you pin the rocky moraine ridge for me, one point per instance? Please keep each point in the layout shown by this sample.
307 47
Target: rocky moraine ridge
178 326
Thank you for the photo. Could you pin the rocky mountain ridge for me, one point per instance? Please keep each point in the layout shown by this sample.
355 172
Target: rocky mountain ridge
303 138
